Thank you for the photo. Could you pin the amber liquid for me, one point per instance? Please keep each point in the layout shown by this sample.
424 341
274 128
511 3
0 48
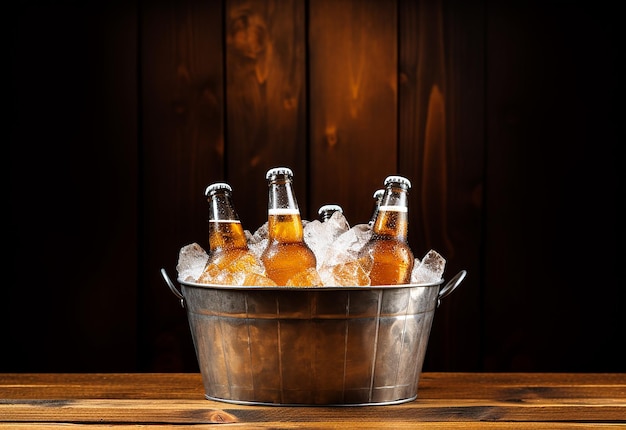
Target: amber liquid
227 242
286 254
230 260
387 256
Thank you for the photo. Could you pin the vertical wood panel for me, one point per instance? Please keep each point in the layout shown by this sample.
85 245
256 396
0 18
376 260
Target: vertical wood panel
438 81
266 101
425 152
353 102
460 321
183 149
441 106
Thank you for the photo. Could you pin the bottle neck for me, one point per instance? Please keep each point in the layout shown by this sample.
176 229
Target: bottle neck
221 207
392 219
282 195
284 221
225 229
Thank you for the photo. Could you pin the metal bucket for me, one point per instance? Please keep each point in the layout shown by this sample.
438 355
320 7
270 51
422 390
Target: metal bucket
343 346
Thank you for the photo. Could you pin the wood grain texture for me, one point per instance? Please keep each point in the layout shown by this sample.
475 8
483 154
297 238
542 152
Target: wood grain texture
440 108
507 117
182 152
353 102
266 101
536 400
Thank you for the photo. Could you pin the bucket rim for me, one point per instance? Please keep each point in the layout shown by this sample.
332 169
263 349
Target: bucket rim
312 288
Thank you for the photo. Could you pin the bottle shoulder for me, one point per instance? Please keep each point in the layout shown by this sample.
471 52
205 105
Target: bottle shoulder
383 241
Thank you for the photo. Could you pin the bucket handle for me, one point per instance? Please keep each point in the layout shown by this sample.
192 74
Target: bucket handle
174 290
451 286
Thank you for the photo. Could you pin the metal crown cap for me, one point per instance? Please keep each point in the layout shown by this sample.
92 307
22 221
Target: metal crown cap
217 186
330 208
398 179
278 171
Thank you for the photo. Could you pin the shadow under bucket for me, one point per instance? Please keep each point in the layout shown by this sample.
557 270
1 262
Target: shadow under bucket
341 346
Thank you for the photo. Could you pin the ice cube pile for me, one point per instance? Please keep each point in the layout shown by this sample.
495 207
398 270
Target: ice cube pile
335 245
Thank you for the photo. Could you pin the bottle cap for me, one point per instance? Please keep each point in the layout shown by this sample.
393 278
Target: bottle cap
329 208
217 186
278 171
398 179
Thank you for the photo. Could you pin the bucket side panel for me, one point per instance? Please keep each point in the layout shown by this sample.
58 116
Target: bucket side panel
296 353
359 359
405 320
423 328
329 360
262 304
335 305
364 303
205 331
415 335
264 356
388 351
395 302
423 299
235 340
215 302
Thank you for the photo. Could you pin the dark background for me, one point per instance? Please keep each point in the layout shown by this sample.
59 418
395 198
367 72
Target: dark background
506 116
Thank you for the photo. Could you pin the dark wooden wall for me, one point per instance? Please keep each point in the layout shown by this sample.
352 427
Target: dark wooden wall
505 116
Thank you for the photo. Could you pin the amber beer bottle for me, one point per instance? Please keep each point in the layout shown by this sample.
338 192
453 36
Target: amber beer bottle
229 256
286 253
387 256
326 211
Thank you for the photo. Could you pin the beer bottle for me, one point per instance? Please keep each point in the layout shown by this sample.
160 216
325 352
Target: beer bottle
230 260
286 254
378 196
326 211
387 256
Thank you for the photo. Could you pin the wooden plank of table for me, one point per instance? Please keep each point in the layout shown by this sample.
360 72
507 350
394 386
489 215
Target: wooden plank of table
503 386
102 386
146 411
313 426
156 399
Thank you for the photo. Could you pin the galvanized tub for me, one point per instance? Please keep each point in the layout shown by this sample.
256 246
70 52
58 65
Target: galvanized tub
342 346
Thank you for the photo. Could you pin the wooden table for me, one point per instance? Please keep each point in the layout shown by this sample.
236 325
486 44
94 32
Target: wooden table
445 400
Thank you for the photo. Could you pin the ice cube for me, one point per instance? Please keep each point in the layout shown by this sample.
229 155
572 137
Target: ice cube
260 234
257 248
429 270
257 241
337 265
191 261
347 246
320 235
345 274
305 278
255 279
232 271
